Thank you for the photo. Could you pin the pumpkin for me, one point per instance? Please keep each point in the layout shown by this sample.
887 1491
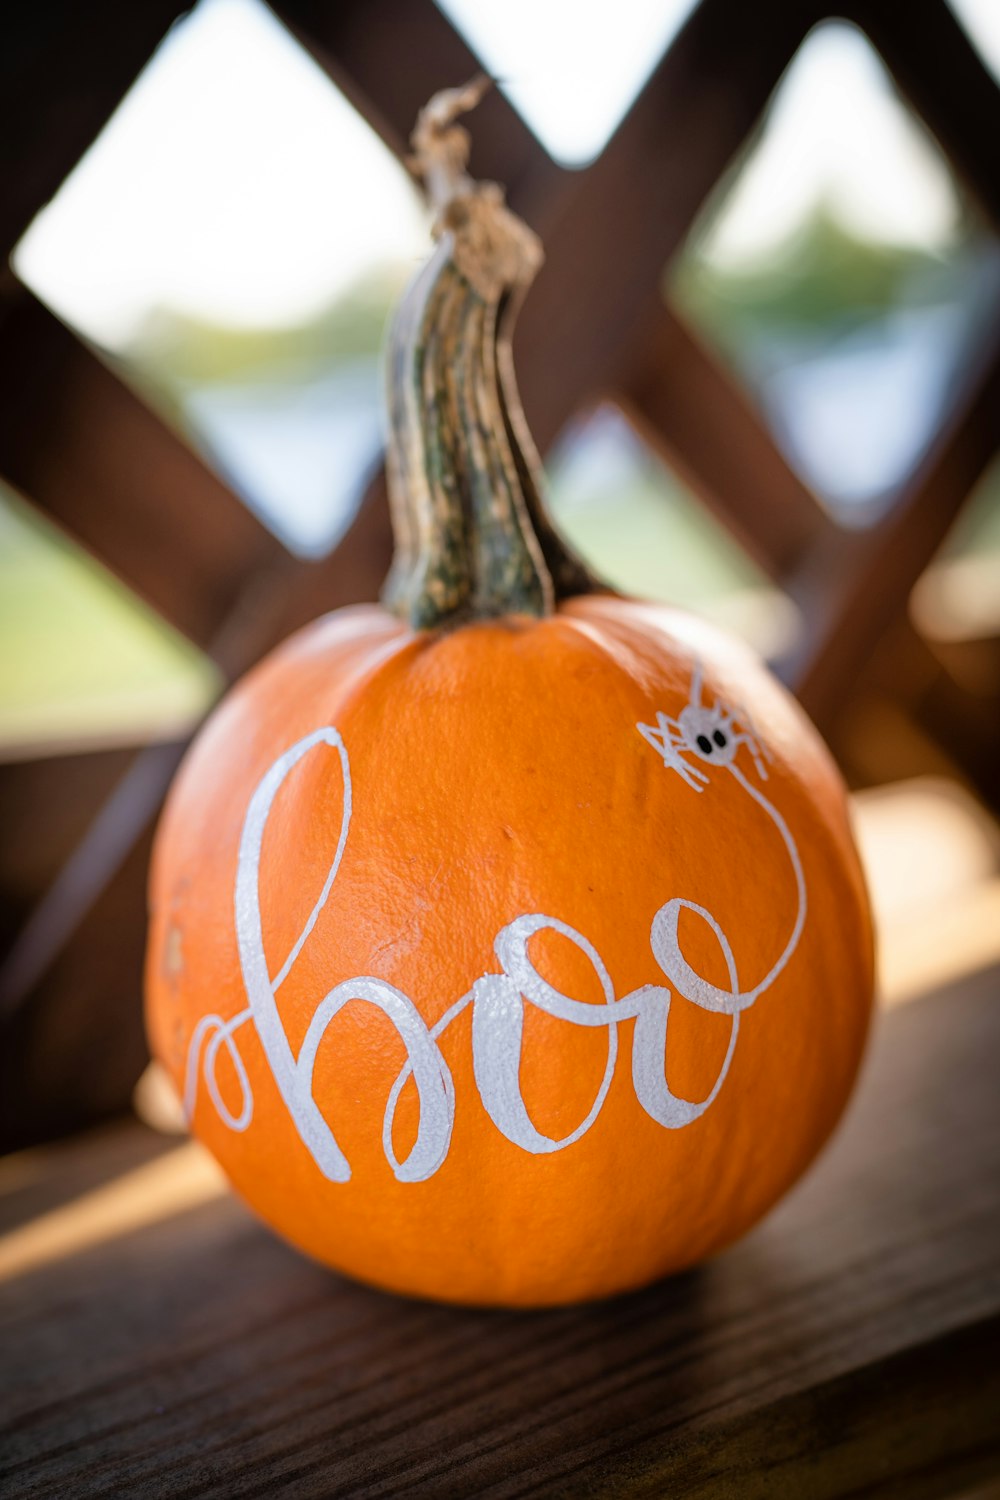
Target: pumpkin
508 940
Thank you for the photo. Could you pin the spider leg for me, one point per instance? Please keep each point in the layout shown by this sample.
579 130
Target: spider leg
667 731
746 735
674 727
678 745
674 730
668 742
753 746
690 775
658 737
746 718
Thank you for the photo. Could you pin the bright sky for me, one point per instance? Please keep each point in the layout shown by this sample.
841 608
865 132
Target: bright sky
981 19
837 136
235 182
571 67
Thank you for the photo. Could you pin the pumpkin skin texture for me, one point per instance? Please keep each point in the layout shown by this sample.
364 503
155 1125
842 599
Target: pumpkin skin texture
498 770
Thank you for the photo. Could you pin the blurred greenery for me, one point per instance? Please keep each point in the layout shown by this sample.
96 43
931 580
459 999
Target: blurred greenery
172 353
822 284
79 654
636 522
821 279
176 350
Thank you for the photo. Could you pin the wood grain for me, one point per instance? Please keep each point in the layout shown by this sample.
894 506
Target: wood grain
695 415
608 246
390 56
63 69
79 443
848 1346
856 584
945 78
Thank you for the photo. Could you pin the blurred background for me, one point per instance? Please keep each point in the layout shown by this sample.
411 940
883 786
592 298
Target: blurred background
762 362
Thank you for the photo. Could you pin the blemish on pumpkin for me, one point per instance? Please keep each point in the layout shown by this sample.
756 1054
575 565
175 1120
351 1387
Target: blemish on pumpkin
508 833
178 1043
173 953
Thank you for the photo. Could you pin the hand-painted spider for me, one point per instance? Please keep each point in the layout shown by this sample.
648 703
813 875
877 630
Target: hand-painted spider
713 734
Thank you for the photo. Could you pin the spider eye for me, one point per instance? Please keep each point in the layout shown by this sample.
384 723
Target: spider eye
704 744
719 738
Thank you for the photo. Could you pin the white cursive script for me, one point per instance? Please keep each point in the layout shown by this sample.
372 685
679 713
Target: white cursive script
702 736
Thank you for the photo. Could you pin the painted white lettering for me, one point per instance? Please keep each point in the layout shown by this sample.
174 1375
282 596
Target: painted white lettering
710 735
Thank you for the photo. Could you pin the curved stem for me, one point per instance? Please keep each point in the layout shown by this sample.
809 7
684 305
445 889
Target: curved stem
570 574
472 537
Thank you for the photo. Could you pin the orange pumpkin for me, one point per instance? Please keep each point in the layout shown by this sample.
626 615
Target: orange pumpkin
508 943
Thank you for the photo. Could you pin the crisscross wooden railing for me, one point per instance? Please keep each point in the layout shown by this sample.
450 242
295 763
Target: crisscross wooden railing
81 445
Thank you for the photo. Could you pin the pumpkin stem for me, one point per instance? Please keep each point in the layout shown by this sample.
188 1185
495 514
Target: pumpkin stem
473 540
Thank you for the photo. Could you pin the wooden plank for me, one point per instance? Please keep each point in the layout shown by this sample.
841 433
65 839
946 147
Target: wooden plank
72 1170
71 1055
847 1346
45 806
63 70
352 574
85 448
952 704
856 584
937 67
84 875
695 415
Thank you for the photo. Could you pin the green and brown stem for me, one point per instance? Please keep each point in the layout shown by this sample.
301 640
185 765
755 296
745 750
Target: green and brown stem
473 540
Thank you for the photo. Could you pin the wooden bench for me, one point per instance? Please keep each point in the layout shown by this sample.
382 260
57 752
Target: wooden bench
158 1342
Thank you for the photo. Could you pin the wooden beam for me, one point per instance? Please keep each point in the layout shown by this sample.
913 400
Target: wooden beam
858 582
74 1053
937 67
352 574
83 446
45 807
63 70
586 321
390 56
78 442
909 714
610 229
691 411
